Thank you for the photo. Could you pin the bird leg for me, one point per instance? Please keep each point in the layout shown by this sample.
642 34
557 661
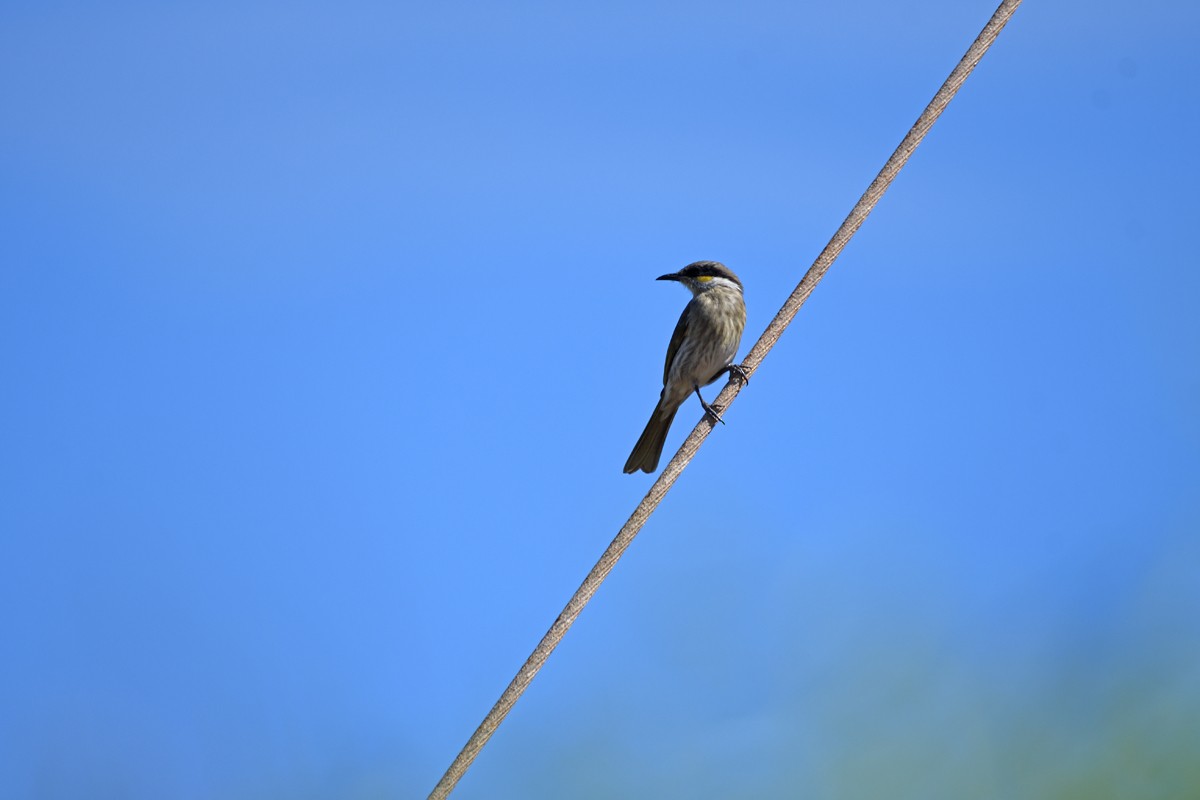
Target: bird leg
707 408
733 369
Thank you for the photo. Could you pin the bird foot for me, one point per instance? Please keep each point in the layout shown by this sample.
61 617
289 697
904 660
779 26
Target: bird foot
736 369
712 412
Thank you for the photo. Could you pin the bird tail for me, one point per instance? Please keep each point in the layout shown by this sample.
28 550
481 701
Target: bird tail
649 446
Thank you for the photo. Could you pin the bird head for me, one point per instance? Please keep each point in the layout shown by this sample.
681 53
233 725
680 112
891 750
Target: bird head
702 276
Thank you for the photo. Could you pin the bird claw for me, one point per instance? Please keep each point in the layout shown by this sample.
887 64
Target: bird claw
712 412
736 369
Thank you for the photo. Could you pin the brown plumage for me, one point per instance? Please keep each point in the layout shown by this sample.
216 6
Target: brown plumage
702 348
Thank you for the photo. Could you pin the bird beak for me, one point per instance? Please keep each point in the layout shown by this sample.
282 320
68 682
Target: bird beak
674 276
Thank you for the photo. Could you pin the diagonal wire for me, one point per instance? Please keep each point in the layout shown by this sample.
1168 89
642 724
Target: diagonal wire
690 445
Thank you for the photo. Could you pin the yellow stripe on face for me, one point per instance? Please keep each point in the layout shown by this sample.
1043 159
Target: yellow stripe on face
704 278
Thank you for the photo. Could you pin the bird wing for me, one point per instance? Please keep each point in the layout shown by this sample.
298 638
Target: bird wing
676 340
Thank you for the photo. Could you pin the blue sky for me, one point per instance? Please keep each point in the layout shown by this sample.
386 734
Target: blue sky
327 328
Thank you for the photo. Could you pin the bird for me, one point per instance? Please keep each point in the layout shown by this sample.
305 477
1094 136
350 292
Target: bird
702 348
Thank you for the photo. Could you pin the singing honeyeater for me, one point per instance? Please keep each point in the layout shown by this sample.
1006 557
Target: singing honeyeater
702 348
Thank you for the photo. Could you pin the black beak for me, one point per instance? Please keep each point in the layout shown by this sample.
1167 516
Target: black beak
674 276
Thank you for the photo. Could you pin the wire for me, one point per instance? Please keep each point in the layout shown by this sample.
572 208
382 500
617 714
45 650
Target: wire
753 359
